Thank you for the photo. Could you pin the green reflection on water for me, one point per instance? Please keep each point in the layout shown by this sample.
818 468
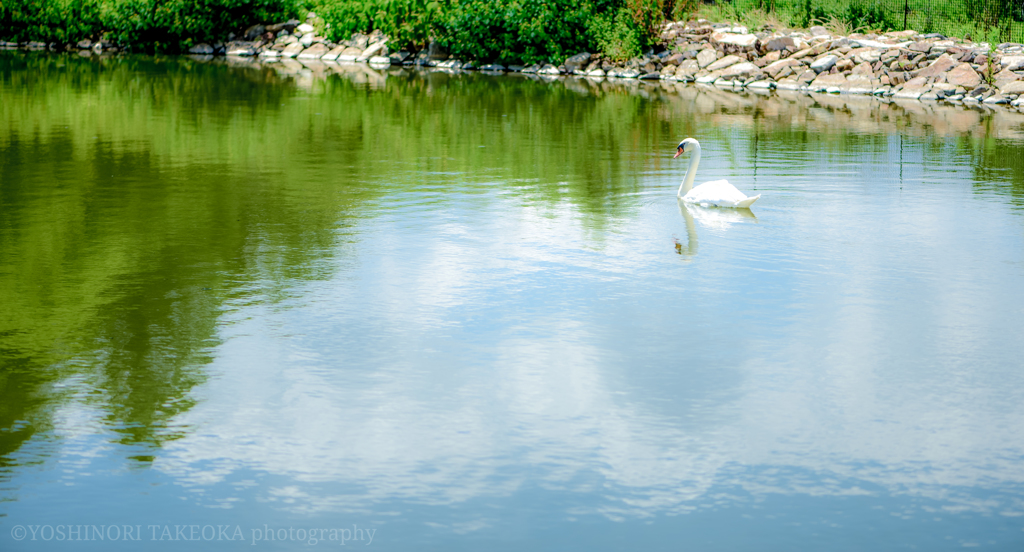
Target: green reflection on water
142 198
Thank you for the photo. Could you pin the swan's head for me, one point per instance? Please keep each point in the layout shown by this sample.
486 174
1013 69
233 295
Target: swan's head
686 146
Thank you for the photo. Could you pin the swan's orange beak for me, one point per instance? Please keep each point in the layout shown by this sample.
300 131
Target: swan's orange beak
679 151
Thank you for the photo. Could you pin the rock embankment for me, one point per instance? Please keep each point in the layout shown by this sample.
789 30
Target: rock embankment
902 65
293 39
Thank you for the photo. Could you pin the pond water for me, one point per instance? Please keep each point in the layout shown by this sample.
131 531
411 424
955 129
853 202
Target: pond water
248 306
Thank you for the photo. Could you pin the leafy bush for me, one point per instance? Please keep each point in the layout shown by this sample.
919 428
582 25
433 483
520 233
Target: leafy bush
509 31
407 22
494 30
345 17
60 21
148 25
615 35
677 10
528 31
865 15
647 16
170 25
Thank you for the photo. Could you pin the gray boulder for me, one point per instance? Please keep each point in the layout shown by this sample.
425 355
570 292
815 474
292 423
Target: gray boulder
963 75
379 48
675 59
741 70
254 32
824 63
287 26
333 53
436 52
723 63
782 43
349 54
243 49
687 68
577 62
315 51
1015 87
706 57
292 50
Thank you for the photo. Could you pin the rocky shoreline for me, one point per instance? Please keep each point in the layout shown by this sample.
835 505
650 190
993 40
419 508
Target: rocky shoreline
901 65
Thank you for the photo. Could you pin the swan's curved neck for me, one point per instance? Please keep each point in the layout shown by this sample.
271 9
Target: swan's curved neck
691 172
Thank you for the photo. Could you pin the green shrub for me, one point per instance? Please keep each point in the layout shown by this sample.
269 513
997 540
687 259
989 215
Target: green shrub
865 15
407 22
615 35
509 31
647 16
512 31
60 21
345 17
677 10
172 25
146 25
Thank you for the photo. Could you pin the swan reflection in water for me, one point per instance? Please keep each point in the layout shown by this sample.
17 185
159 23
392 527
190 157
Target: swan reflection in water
708 217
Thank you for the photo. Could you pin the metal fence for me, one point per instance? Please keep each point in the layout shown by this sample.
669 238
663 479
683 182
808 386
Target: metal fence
980 20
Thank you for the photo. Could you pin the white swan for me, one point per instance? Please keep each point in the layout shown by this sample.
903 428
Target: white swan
718 193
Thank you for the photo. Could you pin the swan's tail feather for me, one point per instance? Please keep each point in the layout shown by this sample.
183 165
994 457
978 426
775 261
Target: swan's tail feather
747 202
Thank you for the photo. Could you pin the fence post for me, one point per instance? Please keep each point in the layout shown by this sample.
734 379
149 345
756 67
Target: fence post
906 12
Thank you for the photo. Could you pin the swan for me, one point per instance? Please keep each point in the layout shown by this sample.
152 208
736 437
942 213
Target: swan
718 193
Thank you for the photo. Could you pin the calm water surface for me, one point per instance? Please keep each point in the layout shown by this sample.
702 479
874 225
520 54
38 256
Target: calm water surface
467 313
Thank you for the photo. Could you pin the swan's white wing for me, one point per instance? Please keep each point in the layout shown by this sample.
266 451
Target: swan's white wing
720 194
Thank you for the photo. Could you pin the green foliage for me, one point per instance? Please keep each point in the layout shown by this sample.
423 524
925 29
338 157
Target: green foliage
149 25
866 15
407 22
494 30
615 35
345 17
528 31
533 31
647 16
170 25
60 21
809 14
679 10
